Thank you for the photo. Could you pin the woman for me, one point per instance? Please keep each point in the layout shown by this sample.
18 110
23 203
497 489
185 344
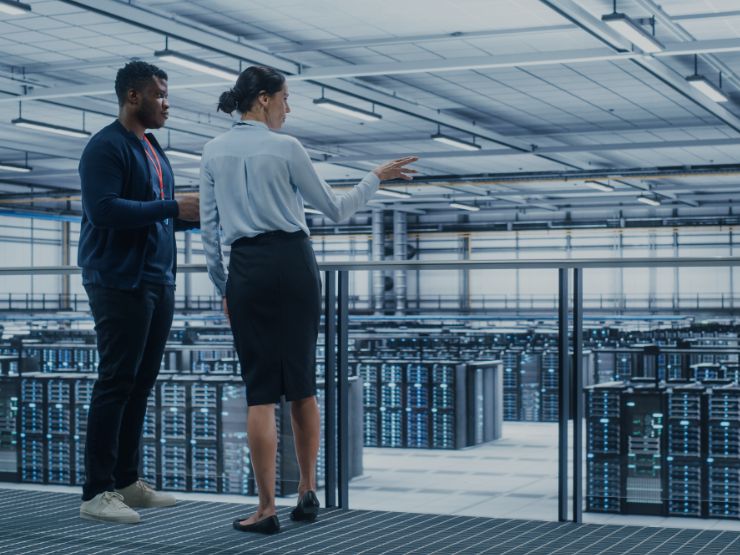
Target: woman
253 183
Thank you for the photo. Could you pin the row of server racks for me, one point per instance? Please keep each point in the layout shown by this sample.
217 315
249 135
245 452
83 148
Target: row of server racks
430 405
194 437
669 450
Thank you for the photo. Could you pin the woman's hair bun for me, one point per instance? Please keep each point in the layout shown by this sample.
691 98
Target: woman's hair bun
228 101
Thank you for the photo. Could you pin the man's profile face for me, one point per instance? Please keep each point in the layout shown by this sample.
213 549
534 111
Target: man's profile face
153 104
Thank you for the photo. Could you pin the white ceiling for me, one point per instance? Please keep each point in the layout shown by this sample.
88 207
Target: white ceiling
551 95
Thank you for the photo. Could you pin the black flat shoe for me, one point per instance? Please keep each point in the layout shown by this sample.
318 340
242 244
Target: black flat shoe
269 525
307 508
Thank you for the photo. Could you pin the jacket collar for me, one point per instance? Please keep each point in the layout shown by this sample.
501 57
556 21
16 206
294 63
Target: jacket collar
132 136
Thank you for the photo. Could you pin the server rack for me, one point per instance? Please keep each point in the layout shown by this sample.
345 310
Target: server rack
723 452
549 380
530 379
512 383
32 430
369 372
391 408
9 422
642 442
484 401
605 489
684 461
413 404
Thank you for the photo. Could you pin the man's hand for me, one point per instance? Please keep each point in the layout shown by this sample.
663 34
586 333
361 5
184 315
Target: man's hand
226 311
188 205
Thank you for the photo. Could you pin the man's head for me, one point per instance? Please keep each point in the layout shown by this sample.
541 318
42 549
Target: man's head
142 92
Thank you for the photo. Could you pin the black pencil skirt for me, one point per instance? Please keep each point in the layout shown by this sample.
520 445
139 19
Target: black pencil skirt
273 294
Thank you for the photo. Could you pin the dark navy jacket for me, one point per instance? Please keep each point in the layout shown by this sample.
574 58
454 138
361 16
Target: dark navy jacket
119 207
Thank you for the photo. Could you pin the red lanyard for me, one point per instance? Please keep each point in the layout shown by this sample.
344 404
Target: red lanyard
157 165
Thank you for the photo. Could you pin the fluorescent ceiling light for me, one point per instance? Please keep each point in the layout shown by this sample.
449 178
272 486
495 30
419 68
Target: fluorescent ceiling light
191 62
311 211
49 128
394 194
346 109
633 32
468 207
14 168
701 84
599 186
182 153
452 141
648 200
14 8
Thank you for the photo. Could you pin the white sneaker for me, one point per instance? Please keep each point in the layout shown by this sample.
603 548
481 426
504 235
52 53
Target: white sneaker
140 494
109 506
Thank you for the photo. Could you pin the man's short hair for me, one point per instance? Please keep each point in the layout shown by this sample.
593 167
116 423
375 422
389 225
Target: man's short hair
135 75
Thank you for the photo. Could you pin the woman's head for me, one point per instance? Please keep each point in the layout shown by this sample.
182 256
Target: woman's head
260 91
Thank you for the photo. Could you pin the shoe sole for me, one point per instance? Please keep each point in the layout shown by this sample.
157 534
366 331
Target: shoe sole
157 506
113 519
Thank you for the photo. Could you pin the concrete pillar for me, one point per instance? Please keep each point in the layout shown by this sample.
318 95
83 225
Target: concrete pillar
377 256
400 240
66 261
188 260
465 274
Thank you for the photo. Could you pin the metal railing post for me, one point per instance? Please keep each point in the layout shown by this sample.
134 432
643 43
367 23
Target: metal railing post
330 390
343 377
564 394
578 395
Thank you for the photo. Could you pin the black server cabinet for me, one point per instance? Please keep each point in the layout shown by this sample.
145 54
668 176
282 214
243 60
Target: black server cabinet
236 469
684 461
549 382
604 486
82 390
723 452
32 430
512 382
391 410
369 372
9 406
643 422
59 431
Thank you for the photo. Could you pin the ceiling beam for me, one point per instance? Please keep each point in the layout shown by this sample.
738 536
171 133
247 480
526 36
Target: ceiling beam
526 59
707 15
565 149
316 45
594 26
177 28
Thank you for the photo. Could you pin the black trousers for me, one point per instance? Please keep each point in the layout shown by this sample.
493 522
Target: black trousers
132 328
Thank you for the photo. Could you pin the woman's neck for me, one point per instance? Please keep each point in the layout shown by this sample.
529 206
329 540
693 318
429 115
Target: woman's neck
253 116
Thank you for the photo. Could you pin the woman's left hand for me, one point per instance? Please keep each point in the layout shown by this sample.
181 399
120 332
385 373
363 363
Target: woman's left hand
396 168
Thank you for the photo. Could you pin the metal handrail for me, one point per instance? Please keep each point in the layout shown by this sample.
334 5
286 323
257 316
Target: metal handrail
521 264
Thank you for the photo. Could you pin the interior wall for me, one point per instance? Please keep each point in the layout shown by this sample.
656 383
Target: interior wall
37 242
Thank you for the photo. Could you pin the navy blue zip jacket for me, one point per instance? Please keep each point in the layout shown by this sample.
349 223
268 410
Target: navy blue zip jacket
119 206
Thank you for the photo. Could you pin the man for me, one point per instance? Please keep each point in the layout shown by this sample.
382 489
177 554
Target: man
127 253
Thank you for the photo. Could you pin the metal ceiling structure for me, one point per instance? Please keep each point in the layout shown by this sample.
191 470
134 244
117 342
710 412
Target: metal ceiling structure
548 97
